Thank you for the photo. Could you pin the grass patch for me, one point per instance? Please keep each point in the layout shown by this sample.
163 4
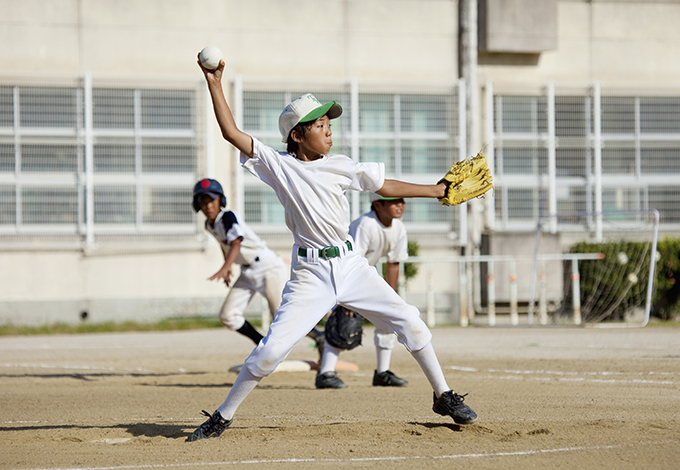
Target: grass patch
175 324
169 324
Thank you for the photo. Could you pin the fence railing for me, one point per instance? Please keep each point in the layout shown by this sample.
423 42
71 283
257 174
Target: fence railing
469 308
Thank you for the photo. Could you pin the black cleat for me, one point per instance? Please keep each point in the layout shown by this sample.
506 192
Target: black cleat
451 404
329 380
213 427
388 379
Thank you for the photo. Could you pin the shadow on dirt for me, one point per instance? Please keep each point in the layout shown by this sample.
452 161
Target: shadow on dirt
150 430
93 376
192 385
452 426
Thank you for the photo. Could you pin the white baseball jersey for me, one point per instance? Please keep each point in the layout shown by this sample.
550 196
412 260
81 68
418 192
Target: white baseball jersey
227 227
313 193
373 240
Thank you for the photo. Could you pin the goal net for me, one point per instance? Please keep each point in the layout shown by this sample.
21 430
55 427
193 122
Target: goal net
603 274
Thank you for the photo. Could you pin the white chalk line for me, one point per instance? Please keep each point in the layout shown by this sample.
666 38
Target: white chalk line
356 459
70 367
597 377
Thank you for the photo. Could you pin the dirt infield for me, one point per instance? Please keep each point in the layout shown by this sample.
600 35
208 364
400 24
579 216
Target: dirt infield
547 398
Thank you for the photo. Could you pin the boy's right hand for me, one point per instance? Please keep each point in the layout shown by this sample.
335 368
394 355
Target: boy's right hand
211 74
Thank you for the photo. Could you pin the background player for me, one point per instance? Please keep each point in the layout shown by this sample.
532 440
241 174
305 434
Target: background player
377 233
312 186
262 270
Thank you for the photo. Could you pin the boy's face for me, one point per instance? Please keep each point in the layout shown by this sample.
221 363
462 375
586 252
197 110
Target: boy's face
318 139
209 206
388 210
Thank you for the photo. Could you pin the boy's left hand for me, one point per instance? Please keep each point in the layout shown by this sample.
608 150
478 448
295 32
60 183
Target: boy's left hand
465 180
224 273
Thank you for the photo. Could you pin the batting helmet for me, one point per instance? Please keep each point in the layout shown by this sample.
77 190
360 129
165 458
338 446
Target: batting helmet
210 187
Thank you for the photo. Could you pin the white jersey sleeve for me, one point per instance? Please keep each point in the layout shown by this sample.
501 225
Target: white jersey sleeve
227 228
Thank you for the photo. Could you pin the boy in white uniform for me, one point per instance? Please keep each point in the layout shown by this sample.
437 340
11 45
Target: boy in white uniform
325 271
377 233
262 270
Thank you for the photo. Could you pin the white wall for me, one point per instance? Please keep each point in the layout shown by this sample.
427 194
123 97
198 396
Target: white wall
373 40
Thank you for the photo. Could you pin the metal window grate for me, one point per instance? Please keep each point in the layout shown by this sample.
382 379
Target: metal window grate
623 141
138 178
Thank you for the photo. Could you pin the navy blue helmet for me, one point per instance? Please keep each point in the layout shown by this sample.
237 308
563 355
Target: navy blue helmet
210 187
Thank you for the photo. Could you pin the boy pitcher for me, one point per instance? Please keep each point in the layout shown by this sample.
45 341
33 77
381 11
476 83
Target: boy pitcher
311 184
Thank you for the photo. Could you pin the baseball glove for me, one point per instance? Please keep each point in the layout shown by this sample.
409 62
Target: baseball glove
465 180
342 330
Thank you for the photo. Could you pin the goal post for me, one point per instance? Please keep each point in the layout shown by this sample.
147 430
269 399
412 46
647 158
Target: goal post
603 275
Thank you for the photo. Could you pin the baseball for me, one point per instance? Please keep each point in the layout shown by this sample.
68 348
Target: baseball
623 258
210 57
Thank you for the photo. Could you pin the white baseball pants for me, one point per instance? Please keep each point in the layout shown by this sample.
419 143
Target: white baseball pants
316 286
266 276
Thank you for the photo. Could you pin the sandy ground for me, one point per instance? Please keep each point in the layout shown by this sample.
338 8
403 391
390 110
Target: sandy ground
546 398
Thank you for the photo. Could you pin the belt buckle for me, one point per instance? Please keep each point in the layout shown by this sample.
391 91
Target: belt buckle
324 252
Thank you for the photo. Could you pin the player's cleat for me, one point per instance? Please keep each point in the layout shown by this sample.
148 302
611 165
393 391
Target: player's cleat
451 404
387 379
213 427
329 380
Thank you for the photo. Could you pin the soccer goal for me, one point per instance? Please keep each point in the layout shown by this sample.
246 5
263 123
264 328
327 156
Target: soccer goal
595 269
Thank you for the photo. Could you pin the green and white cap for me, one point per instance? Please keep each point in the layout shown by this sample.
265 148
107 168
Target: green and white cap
377 197
305 109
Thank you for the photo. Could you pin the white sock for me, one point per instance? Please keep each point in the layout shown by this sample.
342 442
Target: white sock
243 385
330 358
427 359
383 359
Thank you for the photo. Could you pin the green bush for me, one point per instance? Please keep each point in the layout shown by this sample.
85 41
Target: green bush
411 269
666 300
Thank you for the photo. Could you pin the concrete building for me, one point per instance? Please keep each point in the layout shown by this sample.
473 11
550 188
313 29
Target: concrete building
105 126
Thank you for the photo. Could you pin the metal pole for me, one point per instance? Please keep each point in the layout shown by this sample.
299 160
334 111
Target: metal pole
652 265
469 293
462 154
467 64
491 292
430 296
238 117
89 163
490 154
462 289
542 299
354 140
467 69
552 165
597 154
514 316
576 291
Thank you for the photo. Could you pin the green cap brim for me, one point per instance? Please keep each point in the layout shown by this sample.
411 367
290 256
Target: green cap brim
332 109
